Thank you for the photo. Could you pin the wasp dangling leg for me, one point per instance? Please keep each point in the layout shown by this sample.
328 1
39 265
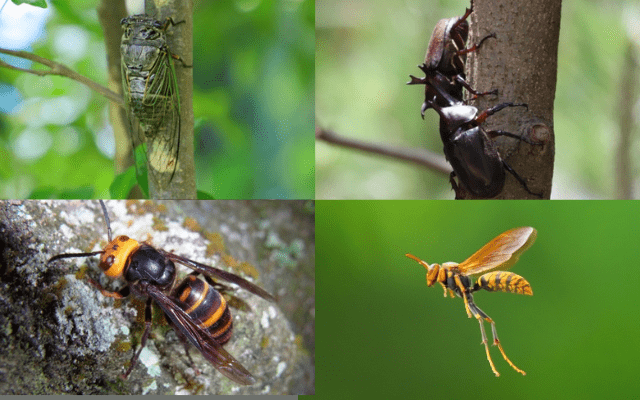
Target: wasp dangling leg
507 282
480 315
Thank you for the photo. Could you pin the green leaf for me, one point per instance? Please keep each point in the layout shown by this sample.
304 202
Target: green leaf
35 3
204 196
123 183
82 192
50 192
141 170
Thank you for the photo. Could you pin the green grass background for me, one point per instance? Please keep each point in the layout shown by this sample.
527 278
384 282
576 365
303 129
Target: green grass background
383 333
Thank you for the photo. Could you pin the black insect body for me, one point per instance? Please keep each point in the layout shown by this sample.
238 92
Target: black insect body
150 92
444 63
196 310
471 151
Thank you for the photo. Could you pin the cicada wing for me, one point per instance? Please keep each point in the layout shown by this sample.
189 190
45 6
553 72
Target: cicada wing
136 134
502 252
163 135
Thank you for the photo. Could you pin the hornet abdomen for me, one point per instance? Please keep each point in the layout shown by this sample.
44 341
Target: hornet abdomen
504 282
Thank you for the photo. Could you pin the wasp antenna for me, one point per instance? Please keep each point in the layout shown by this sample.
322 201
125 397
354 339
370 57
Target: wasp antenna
106 219
73 255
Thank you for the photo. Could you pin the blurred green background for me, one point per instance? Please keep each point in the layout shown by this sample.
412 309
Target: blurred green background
367 49
386 334
253 103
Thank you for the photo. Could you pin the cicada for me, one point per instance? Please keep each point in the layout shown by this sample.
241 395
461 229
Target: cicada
151 97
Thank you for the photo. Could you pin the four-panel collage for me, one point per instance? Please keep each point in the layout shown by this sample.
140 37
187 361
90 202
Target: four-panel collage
159 178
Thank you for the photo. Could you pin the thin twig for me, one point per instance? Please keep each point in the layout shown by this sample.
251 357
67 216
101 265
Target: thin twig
60 70
425 158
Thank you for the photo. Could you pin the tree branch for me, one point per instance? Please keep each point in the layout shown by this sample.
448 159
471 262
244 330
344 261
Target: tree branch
60 70
110 12
424 158
624 185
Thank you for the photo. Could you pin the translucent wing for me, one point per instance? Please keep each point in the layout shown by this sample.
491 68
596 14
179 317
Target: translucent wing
502 252
163 136
150 91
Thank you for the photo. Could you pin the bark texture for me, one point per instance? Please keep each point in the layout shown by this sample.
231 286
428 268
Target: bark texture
522 64
180 41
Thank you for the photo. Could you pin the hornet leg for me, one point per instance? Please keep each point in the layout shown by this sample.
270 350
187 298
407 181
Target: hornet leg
479 314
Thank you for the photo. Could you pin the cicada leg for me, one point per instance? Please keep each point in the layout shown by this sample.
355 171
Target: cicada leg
480 315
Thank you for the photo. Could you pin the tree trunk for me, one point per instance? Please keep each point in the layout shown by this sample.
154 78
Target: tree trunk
180 42
522 64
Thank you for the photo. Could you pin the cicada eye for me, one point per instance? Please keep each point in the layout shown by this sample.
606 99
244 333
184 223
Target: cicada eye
127 32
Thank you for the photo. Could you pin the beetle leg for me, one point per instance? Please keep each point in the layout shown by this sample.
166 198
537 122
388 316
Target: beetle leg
143 341
119 294
475 47
495 134
475 94
481 117
479 314
417 81
454 185
520 179
460 20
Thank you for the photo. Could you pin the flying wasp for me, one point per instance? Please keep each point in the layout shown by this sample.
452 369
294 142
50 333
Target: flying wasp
194 308
499 254
150 92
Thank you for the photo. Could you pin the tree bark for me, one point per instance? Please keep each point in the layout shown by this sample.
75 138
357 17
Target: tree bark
180 41
522 64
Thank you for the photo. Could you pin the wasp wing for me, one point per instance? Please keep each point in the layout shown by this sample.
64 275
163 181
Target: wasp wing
201 339
218 273
502 252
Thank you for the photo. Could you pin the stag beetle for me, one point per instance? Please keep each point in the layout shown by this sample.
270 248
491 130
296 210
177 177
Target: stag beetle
444 63
472 152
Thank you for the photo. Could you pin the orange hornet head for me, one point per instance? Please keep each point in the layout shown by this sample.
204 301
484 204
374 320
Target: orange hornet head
432 270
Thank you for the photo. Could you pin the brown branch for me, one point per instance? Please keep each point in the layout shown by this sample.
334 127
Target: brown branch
624 186
60 70
424 158
110 12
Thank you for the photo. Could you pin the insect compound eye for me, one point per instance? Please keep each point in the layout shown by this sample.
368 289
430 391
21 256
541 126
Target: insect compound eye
109 261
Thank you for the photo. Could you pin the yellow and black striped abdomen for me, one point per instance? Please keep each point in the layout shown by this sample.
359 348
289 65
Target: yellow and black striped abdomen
504 282
206 307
